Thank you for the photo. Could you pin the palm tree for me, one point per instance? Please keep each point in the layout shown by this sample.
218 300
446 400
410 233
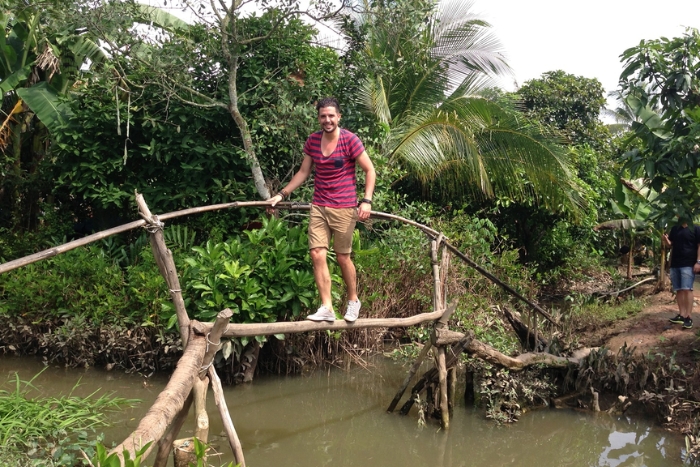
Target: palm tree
434 60
622 115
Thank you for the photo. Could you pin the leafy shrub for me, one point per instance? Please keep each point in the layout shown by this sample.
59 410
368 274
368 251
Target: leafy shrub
263 276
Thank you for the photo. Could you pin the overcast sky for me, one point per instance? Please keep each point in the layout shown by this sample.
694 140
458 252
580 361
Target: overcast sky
584 38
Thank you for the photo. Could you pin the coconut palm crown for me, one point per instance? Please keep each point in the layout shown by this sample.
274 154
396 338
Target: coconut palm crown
434 62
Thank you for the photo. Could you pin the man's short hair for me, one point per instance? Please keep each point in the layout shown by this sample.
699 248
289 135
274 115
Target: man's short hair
328 102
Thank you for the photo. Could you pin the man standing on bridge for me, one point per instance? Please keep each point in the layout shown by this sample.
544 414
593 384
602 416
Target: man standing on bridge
685 263
333 154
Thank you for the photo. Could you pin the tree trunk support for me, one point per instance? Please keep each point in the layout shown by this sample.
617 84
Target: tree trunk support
442 376
165 444
169 403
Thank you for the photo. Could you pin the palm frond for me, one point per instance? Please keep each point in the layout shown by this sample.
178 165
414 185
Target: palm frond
373 96
472 143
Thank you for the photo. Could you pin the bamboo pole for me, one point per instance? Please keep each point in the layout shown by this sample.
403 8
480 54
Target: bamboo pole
164 259
268 329
500 283
57 250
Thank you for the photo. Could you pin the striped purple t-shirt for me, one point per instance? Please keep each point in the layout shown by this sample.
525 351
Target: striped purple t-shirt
334 176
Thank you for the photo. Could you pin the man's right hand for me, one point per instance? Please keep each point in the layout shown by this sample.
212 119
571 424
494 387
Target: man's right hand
275 199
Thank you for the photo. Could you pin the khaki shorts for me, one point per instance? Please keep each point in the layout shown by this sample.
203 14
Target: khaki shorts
336 223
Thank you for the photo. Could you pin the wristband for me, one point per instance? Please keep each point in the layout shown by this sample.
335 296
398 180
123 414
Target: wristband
283 193
364 200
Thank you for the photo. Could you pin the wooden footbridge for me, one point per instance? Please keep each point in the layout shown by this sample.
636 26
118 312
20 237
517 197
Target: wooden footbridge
195 372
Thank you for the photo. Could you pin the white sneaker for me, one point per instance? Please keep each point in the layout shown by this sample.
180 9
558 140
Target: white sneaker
353 311
322 314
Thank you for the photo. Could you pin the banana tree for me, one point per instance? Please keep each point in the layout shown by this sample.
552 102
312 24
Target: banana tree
634 201
45 47
40 57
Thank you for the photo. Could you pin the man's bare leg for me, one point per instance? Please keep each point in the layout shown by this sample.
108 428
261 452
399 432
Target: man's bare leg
347 269
322 276
685 302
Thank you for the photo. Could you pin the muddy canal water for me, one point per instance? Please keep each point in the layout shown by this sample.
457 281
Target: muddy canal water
336 417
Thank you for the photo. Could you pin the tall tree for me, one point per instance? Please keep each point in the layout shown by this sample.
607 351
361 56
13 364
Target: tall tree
215 65
661 84
568 103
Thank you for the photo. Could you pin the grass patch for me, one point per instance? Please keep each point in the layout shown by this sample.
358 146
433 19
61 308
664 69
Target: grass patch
50 431
596 313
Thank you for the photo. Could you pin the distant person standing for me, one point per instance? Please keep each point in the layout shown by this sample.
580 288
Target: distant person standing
685 251
333 153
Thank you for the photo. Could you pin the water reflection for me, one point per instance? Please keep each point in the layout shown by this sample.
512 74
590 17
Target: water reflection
338 418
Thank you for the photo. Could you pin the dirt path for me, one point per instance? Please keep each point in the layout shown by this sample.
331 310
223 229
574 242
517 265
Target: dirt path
651 332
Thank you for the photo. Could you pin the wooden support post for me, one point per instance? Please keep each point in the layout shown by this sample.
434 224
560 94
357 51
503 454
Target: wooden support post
200 409
411 373
443 319
437 289
451 388
164 259
183 453
214 339
233 440
442 377
431 374
444 267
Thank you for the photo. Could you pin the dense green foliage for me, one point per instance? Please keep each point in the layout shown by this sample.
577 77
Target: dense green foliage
88 284
661 85
185 114
175 155
570 104
263 276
